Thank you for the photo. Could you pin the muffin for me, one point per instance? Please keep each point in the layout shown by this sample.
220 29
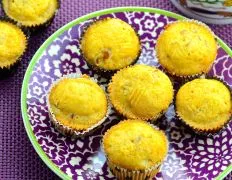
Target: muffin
204 105
77 105
141 92
186 48
140 155
30 13
13 43
110 44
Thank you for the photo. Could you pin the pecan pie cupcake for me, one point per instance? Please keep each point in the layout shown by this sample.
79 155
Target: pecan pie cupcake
140 155
186 48
204 104
141 92
31 13
110 44
13 43
77 105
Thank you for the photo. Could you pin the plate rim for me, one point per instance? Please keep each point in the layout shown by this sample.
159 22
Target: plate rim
50 39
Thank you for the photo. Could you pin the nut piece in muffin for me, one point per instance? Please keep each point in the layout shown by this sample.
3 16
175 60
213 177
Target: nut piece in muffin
141 91
77 104
204 104
134 149
110 44
186 48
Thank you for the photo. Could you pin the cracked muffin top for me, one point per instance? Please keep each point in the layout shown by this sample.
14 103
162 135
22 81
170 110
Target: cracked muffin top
135 145
110 44
30 12
186 48
141 91
204 104
13 43
78 103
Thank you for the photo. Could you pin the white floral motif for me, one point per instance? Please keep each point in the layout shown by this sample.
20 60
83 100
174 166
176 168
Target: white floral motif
53 50
57 73
36 116
63 65
90 174
223 63
80 177
175 135
54 150
149 24
73 49
68 172
37 90
46 65
213 155
148 55
67 68
172 164
96 162
75 161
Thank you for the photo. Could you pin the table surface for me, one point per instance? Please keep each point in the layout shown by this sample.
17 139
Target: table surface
18 159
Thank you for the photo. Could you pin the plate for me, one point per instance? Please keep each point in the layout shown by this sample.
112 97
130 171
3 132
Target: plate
208 11
190 156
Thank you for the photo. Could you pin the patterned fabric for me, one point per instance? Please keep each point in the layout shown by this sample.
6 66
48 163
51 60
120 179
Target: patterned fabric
18 159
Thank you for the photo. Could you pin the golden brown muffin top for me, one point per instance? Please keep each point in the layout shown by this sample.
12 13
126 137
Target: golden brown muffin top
186 48
13 43
110 44
78 103
30 12
141 91
204 104
135 145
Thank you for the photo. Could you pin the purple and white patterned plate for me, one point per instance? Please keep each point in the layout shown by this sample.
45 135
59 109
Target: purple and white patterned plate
190 156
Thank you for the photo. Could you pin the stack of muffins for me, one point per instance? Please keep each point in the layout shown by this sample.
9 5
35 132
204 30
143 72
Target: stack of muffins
21 17
135 148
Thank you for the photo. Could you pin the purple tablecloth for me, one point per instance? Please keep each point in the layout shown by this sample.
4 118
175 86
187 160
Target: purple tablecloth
18 159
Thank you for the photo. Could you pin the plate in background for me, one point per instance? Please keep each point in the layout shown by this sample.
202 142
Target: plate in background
208 11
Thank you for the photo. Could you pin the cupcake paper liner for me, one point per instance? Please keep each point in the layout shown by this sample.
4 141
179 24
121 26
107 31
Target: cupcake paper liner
9 69
98 69
122 173
35 27
65 130
207 132
182 79
151 119
185 78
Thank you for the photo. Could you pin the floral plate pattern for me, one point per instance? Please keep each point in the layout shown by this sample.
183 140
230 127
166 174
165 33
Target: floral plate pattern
190 156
